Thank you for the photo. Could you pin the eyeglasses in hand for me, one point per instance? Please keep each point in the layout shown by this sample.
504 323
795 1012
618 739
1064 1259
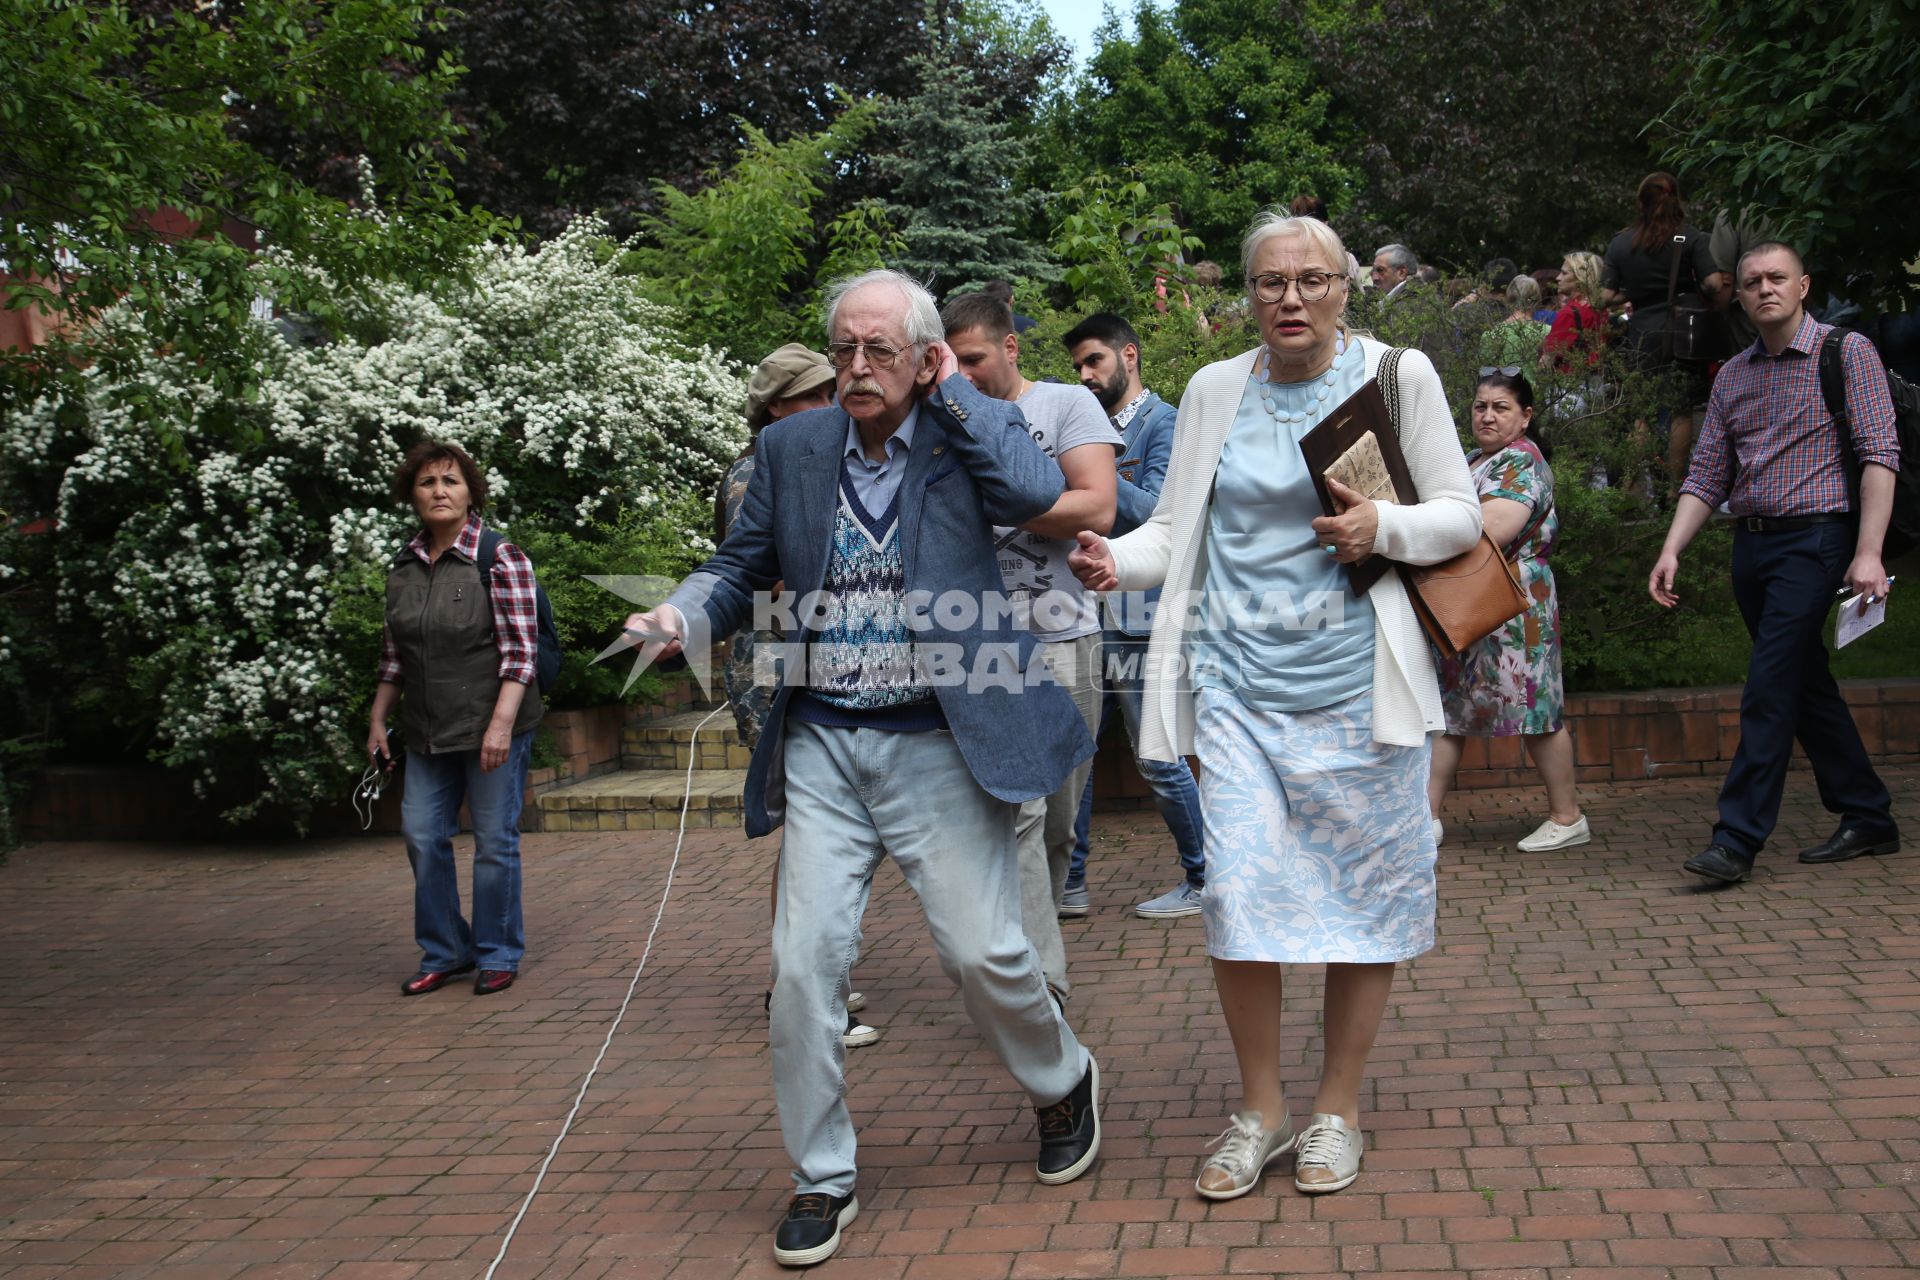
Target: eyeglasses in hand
1313 286
842 354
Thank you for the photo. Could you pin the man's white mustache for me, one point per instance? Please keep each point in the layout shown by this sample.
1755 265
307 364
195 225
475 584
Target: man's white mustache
864 386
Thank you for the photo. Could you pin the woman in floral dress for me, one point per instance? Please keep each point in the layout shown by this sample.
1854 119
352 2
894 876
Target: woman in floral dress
1510 683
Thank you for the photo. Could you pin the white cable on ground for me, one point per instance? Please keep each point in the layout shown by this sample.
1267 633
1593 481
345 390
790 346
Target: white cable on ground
686 800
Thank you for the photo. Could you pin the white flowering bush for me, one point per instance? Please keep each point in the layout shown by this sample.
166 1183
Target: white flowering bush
222 556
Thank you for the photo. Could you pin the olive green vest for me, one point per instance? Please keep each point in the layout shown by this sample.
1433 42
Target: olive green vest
449 664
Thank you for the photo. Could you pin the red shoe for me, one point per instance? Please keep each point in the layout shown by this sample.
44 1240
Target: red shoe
488 981
422 982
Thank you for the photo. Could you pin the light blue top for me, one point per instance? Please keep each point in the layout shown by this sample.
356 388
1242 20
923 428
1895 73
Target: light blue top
1281 628
875 483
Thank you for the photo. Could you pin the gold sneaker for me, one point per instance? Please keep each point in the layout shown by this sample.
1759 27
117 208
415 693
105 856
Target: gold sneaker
1329 1155
1246 1149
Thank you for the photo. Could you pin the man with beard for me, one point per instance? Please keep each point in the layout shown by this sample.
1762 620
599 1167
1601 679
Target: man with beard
1106 355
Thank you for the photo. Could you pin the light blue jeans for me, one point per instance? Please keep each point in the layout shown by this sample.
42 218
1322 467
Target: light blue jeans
1044 831
429 819
1175 795
853 797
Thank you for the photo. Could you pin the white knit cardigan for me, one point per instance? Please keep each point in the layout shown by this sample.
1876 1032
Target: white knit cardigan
1165 551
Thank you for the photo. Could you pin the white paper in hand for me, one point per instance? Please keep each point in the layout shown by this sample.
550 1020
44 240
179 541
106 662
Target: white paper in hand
1852 624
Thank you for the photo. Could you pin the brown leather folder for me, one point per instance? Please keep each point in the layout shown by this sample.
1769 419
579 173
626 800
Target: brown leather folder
1364 413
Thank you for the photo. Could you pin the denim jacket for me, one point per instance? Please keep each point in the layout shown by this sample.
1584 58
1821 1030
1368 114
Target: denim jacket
1142 470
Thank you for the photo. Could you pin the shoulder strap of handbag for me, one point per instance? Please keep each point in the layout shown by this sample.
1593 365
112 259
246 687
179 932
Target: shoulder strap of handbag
1678 247
1388 376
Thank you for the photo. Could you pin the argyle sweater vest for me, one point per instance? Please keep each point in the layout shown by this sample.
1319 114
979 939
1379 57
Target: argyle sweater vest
860 663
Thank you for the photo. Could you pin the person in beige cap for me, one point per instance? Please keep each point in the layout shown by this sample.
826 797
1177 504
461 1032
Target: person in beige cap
793 379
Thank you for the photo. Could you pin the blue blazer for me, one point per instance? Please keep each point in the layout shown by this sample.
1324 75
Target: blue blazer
973 465
1142 471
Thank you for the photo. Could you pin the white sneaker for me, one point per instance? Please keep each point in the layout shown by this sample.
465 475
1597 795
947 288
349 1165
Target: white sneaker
856 1001
1245 1151
1550 835
1328 1157
1439 833
858 1033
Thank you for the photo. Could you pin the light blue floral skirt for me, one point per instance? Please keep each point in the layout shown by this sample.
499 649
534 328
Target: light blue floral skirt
1319 848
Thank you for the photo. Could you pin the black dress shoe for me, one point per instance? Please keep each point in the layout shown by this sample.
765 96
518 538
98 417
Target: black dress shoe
1852 842
1070 1131
424 981
1717 862
488 981
811 1230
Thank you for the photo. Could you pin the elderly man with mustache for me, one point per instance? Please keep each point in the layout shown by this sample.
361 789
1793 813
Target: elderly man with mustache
914 727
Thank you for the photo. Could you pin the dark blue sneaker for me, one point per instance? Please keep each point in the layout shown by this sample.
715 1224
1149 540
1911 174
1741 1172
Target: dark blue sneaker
1070 1131
811 1230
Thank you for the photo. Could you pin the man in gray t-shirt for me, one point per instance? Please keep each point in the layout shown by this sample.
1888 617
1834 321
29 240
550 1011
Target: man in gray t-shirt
1063 418
1069 424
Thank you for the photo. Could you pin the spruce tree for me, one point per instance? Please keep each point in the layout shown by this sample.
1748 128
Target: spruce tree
949 176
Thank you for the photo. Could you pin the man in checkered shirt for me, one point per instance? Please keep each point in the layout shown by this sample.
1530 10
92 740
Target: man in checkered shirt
1805 526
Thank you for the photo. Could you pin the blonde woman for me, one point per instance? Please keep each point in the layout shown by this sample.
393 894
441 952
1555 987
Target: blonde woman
1580 325
1308 705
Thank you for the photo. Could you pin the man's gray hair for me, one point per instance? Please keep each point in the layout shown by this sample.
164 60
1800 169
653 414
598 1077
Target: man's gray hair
923 315
1399 258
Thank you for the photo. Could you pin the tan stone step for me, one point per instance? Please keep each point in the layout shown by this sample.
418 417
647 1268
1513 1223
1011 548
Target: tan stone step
666 743
644 800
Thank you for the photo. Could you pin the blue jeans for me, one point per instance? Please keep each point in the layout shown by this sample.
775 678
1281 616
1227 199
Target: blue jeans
855 796
429 818
1174 792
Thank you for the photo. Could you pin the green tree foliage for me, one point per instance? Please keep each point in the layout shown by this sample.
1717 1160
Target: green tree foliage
1214 106
1496 126
220 610
111 114
1010 51
586 105
1811 111
1116 248
739 259
949 169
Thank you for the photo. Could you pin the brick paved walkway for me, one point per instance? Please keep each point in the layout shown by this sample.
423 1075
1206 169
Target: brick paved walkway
206 1070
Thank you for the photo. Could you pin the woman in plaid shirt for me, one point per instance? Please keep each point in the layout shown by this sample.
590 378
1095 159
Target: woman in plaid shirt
458 657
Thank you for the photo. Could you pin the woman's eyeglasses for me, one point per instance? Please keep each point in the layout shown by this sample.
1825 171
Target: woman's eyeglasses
1313 286
1510 370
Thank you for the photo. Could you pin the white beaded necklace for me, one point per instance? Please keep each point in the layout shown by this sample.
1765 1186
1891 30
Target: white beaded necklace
1309 409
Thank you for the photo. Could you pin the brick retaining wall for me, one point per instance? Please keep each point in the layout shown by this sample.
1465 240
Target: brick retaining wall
1661 733
137 802
1618 737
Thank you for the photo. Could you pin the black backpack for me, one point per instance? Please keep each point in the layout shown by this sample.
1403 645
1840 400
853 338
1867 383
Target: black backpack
1903 528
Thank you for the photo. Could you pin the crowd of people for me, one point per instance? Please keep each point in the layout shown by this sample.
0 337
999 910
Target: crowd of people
990 566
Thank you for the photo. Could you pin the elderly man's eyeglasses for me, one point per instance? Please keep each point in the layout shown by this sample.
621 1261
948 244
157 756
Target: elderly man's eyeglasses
1313 286
841 354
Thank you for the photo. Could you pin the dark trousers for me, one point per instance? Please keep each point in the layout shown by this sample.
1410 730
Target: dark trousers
1785 583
